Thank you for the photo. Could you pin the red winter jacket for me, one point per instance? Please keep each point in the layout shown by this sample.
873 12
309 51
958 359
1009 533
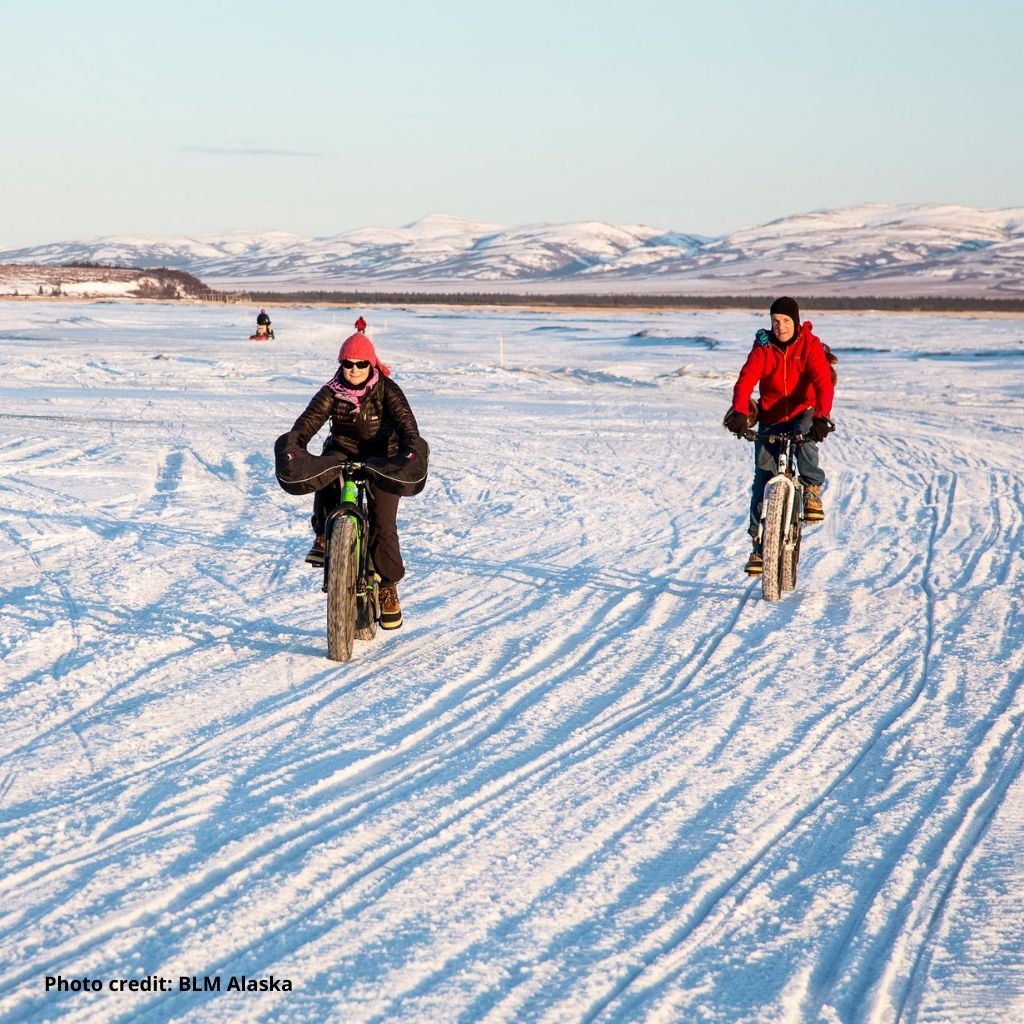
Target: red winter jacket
791 378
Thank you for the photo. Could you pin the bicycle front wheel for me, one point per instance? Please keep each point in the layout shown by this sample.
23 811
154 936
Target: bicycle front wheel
341 590
773 540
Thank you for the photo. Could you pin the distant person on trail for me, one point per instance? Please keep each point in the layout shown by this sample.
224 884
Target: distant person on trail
263 322
790 367
370 416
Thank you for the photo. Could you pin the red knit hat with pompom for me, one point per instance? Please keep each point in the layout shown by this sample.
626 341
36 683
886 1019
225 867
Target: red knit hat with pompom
359 346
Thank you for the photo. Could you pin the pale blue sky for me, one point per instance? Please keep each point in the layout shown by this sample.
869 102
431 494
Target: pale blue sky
319 116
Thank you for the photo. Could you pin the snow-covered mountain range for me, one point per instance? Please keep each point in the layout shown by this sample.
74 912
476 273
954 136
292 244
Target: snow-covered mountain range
871 249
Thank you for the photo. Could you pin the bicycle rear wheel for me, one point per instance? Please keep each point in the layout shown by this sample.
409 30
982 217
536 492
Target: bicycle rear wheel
790 556
367 608
773 537
341 590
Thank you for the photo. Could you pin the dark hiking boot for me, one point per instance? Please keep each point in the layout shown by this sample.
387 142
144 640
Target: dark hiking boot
315 557
813 512
755 563
390 609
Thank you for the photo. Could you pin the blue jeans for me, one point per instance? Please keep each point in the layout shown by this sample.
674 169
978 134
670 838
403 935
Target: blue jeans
766 462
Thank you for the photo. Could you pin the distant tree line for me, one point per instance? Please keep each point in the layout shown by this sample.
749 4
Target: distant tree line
921 304
171 283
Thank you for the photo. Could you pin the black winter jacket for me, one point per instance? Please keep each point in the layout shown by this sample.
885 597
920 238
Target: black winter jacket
383 426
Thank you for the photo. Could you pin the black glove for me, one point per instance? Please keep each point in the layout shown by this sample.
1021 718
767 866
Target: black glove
820 428
737 422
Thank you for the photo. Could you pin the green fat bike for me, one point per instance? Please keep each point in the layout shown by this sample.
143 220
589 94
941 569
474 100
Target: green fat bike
350 583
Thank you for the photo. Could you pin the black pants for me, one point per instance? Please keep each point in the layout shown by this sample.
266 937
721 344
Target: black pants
384 547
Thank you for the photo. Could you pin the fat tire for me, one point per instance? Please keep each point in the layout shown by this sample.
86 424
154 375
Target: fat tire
341 590
791 558
773 531
368 611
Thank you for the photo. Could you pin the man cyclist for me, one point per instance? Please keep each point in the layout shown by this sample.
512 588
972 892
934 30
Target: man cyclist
790 367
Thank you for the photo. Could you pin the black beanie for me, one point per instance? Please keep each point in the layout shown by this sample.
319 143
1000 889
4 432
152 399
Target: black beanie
786 307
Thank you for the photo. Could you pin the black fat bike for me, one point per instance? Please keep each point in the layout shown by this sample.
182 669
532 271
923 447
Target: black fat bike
350 583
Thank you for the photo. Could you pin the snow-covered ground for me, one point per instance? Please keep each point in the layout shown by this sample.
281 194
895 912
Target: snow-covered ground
594 777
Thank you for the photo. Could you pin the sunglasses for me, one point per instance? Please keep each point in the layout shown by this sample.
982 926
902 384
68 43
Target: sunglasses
355 364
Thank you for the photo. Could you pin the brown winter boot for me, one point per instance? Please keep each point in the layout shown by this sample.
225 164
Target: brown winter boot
813 512
390 609
755 563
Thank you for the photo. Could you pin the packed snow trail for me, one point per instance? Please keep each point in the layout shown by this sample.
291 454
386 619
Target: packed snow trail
594 777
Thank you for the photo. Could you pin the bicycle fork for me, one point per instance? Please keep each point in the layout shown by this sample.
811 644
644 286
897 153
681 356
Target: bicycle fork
793 495
349 507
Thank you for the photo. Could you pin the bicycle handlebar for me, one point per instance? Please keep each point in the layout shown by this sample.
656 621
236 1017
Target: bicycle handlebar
753 435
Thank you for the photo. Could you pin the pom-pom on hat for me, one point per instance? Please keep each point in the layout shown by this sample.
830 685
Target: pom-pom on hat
359 346
785 306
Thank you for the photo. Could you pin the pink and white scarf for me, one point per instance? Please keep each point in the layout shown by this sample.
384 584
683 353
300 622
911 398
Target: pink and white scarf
354 395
